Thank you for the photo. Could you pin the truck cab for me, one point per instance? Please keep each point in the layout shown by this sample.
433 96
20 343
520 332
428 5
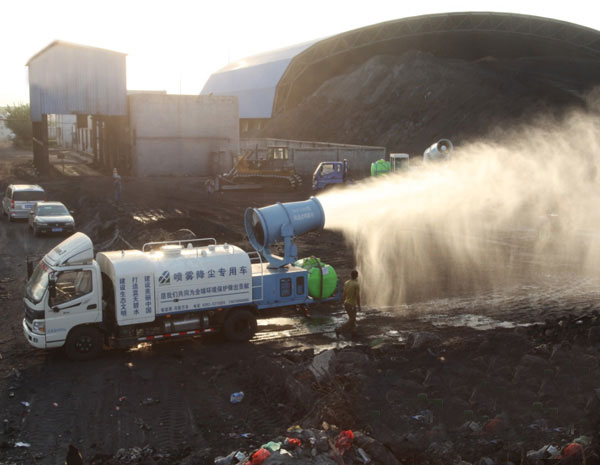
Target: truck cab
64 292
329 173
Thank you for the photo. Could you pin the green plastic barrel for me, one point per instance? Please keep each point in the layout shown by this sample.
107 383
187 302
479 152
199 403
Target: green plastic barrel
322 278
380 167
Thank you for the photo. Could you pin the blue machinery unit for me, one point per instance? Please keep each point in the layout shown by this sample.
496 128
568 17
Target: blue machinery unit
280 223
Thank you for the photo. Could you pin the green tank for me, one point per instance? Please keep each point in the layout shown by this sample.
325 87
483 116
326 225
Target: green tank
380 167
322 278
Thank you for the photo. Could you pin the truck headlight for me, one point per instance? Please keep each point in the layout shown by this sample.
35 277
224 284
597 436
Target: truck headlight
39 326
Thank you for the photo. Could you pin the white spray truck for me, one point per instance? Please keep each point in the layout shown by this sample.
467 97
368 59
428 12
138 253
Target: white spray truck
169 289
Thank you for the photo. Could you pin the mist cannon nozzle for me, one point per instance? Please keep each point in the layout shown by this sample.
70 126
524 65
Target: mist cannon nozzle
280 223
441 150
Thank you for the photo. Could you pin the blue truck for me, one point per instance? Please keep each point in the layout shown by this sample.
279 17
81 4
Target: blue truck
330 173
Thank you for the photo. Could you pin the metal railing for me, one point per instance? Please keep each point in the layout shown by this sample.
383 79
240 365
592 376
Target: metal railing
180 242
256 259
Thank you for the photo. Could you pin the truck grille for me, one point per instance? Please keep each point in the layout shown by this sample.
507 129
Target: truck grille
31 315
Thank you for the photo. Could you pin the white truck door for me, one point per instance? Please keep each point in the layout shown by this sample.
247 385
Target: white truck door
75 302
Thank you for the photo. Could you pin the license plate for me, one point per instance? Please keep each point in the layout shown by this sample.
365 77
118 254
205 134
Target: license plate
56 229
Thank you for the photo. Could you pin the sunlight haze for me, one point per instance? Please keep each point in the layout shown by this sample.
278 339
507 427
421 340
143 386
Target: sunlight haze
176 45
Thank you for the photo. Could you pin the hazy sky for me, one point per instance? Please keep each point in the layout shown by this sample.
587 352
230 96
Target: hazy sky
175 44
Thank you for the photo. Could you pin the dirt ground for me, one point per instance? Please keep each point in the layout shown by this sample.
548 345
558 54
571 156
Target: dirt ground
448 377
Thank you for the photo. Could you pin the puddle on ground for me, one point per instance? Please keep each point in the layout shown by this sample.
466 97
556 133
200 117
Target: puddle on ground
479 322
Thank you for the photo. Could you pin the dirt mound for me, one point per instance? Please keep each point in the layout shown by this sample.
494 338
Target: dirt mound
407 102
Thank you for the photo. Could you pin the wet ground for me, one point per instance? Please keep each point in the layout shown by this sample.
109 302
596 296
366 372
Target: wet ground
423 378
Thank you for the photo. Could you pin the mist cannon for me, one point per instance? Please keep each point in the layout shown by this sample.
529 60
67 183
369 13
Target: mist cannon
281 222
441 150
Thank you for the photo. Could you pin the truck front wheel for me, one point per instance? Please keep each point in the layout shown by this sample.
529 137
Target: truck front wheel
240 325
84 343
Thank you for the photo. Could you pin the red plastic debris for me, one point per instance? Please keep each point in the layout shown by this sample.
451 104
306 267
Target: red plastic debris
493 426
571 449
259 456
344 441
293 442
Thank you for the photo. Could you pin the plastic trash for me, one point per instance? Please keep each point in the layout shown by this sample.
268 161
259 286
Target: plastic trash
240 456
237 397
259 456
546 452
295 442
246 435
583 440
344 441
22 444
25 404
295 429
272 446
571 450
363 456
228 460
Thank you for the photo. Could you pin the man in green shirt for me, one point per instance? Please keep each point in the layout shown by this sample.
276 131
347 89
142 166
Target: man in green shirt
351 298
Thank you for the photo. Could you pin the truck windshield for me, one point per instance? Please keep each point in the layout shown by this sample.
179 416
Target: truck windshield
37 284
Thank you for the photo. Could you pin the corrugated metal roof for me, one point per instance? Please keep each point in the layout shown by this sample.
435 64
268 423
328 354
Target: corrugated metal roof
66 78
254 79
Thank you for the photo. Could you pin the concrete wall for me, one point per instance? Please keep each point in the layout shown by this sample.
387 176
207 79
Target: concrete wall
307 155
183 134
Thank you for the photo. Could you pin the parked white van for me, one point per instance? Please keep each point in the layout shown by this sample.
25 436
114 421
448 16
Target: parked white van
19 199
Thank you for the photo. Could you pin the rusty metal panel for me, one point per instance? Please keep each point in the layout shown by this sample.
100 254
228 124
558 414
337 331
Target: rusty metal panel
67 79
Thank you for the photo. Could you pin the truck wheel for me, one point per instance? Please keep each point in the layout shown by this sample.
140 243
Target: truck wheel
84 343
240 325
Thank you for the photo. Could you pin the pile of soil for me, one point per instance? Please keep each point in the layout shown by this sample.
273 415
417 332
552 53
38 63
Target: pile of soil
407 102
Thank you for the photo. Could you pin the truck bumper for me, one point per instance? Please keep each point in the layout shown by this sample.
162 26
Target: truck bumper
36 340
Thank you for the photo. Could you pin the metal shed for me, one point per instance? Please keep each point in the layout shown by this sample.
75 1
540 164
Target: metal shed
67 78
253 81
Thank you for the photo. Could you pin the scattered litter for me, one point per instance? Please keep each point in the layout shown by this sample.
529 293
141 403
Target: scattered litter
259 456
295 429
122 398
344 441
227 460
22 444
149 401
25 404
546 452
272 446
571 450
363 455
246 435
295 442
54 404
237 397
583 440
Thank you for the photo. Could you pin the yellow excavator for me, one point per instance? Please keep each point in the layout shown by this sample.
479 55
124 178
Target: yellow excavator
262 169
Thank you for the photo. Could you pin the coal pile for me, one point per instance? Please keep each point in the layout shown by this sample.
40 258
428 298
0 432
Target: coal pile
407 102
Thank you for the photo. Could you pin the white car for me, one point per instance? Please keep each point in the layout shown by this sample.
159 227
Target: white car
51 217
19 199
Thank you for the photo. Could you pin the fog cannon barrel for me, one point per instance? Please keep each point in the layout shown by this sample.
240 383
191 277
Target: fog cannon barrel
280 223
441 150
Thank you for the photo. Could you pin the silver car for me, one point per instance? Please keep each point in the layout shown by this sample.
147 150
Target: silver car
51 217
19 199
